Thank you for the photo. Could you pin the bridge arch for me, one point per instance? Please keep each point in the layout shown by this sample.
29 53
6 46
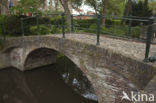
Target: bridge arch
112 90
53 55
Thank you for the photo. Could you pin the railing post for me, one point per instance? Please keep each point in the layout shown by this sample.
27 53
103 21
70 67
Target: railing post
129 27
38 25
63 30
72 23
22 27
98 29
148 42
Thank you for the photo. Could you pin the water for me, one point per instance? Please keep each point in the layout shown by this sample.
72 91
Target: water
62 82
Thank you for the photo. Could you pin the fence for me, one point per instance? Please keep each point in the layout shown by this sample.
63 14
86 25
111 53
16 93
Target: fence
125 27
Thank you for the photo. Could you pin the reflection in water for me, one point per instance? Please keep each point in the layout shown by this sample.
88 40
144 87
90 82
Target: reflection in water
75 78
49 84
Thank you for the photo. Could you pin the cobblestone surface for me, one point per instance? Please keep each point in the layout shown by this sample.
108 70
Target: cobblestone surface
131 49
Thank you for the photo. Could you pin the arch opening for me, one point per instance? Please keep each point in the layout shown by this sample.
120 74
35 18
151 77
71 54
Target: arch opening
67 70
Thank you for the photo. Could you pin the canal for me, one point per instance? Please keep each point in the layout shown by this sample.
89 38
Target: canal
62 82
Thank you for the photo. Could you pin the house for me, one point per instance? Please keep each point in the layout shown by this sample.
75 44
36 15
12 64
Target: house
88 15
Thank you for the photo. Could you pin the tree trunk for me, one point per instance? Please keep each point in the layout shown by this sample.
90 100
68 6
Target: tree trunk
45 5
56 5
66 10
50 5
146 2
128 10
104 13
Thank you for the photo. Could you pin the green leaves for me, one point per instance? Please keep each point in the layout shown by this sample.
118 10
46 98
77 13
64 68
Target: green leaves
31 6
141 10
114 7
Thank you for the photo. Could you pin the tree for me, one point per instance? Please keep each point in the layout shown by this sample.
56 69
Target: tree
53 5
100 7
115 8
128 10
146 2
152 5
3 7
95 4
65 5
33 6
104 11
140 10
76 4
106 7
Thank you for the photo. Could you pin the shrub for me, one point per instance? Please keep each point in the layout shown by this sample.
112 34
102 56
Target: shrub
136 31
2 19
84 23
116 22
2 22
13 26
116 30
56 29
92 28
140 10
43 29
56 20
45 20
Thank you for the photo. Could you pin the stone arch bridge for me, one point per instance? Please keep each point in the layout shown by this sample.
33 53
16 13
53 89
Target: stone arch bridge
110 67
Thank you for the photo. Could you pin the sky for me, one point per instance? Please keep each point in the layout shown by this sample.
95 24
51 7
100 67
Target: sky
85 8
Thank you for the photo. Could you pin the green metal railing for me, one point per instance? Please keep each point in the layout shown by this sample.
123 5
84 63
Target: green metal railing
63 26
99 28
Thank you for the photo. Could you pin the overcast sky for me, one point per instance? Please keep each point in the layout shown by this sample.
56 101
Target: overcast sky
85 8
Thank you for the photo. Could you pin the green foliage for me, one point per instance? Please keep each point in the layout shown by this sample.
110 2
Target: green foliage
95 4
110 30
136 31
141 10
56 20
13 26
152 5
114 8
116 22
112 22
56 29
118 30
87 23
43 30
76 3
60 55
84 23
25 6
2 19
2 22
